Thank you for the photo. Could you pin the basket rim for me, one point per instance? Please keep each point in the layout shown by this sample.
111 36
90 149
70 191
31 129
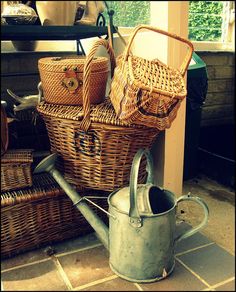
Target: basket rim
61 112
48 64
17 156
43 186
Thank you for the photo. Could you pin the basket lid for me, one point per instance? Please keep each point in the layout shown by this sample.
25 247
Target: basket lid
43 186
58 64
101 113
157 77
18 156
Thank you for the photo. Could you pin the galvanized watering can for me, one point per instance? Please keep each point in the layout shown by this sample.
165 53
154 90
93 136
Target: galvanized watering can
142 220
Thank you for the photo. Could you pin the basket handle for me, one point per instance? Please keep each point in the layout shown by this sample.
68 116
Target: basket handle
188 56
87 70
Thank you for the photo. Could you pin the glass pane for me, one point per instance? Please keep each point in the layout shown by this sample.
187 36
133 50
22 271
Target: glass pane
129 13
205 20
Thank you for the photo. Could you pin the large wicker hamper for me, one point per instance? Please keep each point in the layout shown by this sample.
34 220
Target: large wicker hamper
42 214
101 157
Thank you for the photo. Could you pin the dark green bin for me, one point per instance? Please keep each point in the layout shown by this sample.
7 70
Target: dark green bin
197 85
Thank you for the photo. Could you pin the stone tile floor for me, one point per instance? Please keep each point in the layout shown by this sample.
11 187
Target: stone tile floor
82 264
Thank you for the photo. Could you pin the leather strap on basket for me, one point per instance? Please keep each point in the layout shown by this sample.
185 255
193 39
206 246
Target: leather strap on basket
188 57
87 73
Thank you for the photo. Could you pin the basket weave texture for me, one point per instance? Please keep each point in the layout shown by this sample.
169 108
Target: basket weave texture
16 169
97 148
62 79
148 92
42 214
101 157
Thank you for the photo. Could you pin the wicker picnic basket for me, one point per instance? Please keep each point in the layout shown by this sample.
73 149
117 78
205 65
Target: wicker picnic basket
40 215
148 92
16 170
97 148
62 79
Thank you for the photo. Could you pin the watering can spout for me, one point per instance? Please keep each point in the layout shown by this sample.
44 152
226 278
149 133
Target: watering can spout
48 165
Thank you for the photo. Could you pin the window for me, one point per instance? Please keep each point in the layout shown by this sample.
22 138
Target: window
206 20
211 23
129 13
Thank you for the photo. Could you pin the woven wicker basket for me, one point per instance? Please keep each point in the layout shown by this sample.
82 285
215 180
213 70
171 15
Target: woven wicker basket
16 169
148 92
62 79
96 147
42 214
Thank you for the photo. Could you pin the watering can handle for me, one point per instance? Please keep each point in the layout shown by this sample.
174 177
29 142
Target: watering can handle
193 230
133 211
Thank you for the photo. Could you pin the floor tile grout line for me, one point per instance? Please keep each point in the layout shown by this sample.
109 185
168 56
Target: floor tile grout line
223 282
107 279
138 286
192 272
230 252
62 273
219 244
47 259
100 281
78 250
25 265
195 248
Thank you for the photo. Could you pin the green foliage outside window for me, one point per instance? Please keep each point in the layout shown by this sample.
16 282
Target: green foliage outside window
205 17
129 13
205 20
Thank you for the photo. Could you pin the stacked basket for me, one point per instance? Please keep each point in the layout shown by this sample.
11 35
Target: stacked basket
16 170
96 139
149 92
40 215
15 163
97 148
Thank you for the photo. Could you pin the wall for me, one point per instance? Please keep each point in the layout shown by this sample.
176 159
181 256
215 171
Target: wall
219 106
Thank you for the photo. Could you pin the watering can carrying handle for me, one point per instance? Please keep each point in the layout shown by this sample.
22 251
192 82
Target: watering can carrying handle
193 230
135 219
